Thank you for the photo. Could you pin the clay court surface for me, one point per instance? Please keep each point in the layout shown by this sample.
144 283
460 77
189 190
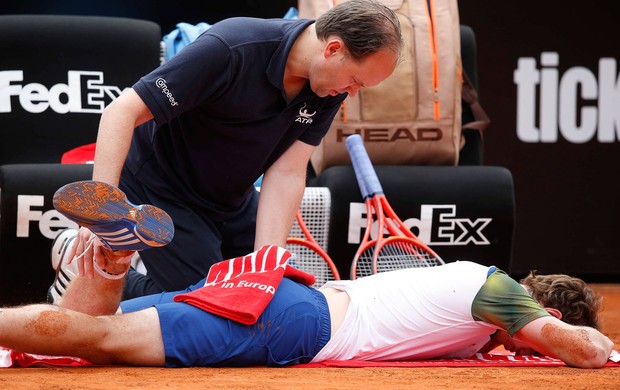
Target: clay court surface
331 378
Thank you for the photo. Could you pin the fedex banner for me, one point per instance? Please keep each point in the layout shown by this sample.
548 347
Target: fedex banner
84 92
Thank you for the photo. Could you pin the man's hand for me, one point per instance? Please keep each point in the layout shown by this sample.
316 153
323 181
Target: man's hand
88 249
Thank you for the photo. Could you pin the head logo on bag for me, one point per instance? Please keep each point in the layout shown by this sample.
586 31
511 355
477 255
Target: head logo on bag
370 135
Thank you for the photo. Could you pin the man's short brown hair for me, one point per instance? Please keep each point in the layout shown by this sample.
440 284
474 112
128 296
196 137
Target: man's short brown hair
365 26
577 302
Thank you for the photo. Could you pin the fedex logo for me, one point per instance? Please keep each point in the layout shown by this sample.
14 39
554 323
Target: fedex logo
49 222
437 225
84 92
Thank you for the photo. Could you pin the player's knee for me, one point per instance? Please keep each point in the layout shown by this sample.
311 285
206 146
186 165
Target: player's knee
132 339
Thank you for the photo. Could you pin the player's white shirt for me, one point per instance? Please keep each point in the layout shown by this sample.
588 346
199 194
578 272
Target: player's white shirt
418 313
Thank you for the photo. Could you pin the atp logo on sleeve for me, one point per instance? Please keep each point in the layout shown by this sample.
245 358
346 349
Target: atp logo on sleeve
305 115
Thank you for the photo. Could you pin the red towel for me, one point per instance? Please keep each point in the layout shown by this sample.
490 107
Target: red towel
84 154
241 288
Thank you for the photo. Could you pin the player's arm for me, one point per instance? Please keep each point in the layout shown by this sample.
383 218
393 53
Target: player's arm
281 191
577 346
116 127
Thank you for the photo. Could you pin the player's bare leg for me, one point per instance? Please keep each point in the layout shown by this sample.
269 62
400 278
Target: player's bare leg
84 324
133 338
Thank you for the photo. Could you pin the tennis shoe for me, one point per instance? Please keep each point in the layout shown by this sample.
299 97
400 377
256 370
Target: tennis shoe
106 211
64 272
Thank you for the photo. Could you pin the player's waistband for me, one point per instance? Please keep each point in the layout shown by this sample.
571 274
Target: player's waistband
325 326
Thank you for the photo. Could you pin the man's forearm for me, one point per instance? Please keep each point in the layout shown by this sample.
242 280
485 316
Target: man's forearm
281 192
577 346
279 201
110 154
116 129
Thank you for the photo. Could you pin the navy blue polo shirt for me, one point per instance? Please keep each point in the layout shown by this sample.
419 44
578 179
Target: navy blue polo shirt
220 114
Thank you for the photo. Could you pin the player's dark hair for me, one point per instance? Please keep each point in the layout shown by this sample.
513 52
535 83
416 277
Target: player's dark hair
365 26
577 302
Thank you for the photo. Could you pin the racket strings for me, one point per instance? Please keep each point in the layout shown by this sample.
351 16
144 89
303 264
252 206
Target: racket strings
404 254
315 210
364 263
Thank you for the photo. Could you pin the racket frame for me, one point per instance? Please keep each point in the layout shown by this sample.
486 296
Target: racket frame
359 260
310 243
376 201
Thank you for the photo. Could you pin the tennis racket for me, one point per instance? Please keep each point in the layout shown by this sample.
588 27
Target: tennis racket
395 246
309 257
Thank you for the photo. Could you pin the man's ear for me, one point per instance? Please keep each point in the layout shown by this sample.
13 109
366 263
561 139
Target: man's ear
333 46
554 312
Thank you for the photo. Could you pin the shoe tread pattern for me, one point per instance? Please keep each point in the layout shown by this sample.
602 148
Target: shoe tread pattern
107 212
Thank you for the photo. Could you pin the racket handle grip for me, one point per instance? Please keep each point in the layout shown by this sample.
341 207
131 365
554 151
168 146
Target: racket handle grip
364 171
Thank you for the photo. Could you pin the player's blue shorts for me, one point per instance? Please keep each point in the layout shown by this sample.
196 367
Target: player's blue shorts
294 327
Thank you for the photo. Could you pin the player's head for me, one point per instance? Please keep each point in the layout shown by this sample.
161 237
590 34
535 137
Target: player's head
577 302
365 26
